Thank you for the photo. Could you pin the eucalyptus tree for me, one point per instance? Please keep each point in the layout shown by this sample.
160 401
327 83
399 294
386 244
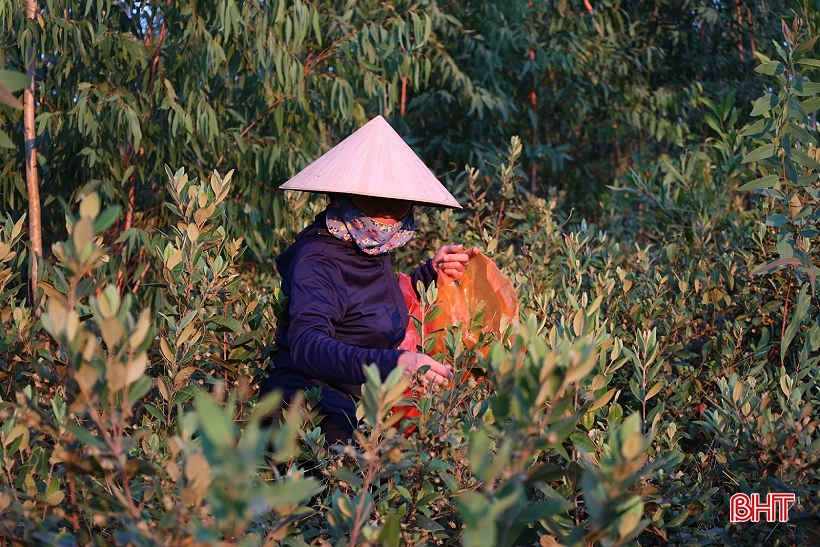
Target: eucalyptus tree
262 87
127 86
592 87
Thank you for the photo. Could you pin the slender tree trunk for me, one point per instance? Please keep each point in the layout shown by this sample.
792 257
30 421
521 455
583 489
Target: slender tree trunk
32 184
740 34
534 108
403 94
751 31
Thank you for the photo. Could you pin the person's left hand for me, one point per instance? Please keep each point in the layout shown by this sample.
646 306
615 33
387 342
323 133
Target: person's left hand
451 260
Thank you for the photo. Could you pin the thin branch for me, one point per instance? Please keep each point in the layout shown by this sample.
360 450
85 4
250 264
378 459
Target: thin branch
155 63
261 115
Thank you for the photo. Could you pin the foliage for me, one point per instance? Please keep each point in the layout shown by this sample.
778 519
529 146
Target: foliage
9 83
128 87
87 426
125 88
665 356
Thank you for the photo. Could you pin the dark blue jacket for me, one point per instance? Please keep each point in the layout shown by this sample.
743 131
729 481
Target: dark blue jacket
345 310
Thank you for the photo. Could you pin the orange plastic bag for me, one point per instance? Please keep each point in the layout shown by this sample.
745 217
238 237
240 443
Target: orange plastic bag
482 289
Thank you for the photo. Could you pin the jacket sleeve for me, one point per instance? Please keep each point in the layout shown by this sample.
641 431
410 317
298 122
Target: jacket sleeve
425 273
318 301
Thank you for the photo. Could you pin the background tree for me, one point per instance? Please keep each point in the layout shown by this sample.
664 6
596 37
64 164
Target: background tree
592 91
126 87
263 87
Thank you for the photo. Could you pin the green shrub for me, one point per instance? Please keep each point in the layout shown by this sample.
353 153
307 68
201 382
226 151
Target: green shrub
665 359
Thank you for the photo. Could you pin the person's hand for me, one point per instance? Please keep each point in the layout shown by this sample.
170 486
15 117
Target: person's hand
437 373
451 260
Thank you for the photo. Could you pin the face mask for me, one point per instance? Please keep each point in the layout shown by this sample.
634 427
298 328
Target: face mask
348 223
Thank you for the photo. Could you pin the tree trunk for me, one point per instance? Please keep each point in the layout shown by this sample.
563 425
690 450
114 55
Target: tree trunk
741 53
751 31
534 108
32 185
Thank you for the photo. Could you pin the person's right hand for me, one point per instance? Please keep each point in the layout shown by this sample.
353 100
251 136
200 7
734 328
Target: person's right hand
437 373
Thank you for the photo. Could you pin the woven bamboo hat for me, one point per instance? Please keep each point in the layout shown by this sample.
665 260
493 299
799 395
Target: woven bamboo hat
373 161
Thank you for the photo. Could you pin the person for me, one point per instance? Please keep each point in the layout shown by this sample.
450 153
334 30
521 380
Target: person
344 307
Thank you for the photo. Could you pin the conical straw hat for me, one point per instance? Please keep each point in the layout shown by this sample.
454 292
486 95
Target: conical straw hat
373 161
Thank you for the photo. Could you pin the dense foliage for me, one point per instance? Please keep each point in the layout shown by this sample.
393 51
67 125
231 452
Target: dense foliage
592 88
665 357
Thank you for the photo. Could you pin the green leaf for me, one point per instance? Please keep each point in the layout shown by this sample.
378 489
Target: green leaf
758 184
800 313
807 180
759 128
764 152
804 159
480 530
348 476
317 31
764 104
13 81
287 493
106 219
811 105
810 88
5 141
583 443
777 221
800 133
7 98
228 322
772 68
809 62
791 170
84 436
138 389
539 510
155 412
714 124
214 421
390 535
678 520
184 394
797 112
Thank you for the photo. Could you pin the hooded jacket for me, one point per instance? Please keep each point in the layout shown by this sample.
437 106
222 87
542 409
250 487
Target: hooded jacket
344 310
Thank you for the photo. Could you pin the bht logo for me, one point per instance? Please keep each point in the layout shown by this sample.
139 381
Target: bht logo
743 508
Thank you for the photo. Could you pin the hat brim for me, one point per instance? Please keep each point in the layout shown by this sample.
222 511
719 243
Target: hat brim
374 161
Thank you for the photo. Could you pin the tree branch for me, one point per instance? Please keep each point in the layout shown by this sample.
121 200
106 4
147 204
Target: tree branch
261 115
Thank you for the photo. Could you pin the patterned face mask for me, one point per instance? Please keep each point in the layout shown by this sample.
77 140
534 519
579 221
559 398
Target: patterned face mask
348 223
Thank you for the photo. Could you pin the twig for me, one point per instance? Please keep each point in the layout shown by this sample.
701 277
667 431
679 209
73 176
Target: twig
252 124
327 52
155 63
358 522
785 315
403 94
73 515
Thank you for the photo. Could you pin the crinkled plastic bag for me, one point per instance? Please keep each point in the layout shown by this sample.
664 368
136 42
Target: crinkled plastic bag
483 289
